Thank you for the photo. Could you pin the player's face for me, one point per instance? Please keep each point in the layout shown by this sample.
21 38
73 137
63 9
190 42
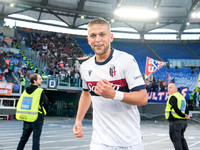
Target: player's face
39 81
99 38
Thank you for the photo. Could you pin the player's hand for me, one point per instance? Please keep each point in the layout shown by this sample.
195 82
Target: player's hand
105 89
77 129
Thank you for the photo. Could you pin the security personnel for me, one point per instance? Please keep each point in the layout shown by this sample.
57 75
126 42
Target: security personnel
20 51
30 109
190 103
28 64
36 70
28 61
23 83
42 76
199 98
176 112
24 58
191 95
17 46
31 66
22 54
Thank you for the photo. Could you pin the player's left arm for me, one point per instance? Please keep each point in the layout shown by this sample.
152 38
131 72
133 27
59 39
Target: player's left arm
136 98
133 76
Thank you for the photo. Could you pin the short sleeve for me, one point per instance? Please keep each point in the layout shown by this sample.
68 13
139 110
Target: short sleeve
84 85
133 75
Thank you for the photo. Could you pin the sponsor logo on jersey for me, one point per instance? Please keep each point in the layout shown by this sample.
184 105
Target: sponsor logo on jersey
112 71
137 77
115 84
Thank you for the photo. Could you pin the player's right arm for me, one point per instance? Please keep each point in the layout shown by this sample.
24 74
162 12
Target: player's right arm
84 104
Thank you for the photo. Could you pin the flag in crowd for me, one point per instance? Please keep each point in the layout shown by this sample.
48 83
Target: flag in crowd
152 66
168 78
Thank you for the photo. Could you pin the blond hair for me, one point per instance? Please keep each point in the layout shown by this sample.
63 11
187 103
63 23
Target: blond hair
98 21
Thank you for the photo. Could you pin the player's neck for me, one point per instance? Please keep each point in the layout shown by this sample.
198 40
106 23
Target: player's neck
104 57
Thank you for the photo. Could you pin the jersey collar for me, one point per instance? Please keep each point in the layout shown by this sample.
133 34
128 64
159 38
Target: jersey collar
107 60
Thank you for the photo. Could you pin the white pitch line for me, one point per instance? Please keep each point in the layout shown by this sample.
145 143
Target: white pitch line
73 147
194 144
157 141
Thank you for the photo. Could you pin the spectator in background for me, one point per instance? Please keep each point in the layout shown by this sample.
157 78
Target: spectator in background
1 77
11 68
19 64
5 71
154 86
76 78
162 85
7 62
195 98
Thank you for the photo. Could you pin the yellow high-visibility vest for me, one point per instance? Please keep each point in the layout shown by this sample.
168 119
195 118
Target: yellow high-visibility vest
181 104
23 83
28 106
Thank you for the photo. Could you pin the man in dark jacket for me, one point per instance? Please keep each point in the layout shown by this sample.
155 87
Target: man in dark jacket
35 126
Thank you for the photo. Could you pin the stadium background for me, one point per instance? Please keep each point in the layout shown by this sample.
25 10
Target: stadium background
172 37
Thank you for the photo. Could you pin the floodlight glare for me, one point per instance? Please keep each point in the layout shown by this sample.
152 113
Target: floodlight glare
12 5
198 15
194 15
135 13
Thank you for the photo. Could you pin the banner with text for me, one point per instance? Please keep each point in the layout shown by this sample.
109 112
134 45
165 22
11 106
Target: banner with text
6 88
162 96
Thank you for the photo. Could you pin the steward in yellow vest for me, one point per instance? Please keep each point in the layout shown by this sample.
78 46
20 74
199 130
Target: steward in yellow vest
23 83
31 66
36 70
42 76
28 106
199 98
181 105
30 109
17 46
176 112
22 54
24 58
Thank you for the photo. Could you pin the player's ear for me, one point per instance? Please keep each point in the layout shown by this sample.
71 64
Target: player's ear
111 37
88 39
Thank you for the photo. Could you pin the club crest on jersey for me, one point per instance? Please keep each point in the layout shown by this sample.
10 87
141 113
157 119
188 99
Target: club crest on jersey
112 71
89 72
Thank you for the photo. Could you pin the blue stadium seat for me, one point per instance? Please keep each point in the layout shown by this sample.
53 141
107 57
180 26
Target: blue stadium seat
195 47
170 51
136 49
83 44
